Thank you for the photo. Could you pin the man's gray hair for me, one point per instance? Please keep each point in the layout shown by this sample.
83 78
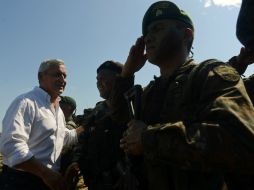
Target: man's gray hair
45 65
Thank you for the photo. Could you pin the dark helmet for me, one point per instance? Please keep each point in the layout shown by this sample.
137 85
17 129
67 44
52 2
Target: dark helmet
164 10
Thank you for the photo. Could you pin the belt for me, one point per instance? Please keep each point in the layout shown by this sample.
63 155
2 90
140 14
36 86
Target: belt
8 169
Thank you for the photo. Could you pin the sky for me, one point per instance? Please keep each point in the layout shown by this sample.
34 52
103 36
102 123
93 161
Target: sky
85 33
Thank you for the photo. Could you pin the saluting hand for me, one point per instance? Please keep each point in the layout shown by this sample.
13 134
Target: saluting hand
246 57
136 58
131 142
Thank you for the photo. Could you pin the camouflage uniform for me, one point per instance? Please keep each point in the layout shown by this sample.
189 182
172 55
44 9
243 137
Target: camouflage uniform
200 125
249 85
70 123
249 81
100 153
237 181
245 28
67 103
67 152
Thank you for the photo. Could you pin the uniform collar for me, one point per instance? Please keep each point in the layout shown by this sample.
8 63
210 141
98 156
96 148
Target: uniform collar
189 64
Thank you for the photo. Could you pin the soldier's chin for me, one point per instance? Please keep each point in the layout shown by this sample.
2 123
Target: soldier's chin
151 59
103 95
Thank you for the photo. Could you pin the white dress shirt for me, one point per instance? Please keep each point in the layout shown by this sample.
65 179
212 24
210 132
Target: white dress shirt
32 127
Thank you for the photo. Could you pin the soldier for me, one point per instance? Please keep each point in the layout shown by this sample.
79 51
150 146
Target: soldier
101 155
235 181
68 105
197 120
240 63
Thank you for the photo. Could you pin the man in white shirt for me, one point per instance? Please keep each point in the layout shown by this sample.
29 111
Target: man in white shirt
34 134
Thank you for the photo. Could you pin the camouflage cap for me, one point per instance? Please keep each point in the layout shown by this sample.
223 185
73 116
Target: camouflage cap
112 66
68 100
164 10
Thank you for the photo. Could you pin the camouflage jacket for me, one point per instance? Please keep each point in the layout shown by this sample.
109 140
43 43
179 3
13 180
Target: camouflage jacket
249 84
99 150
199 121
248 81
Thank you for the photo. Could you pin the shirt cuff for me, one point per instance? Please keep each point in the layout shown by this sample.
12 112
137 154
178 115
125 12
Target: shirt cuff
71 137
18 157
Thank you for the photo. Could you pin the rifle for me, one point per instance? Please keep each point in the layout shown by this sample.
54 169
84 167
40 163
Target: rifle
133 98
128 180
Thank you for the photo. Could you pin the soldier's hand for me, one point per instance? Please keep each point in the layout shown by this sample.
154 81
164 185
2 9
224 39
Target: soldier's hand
54 180
136 58
245 57
131 142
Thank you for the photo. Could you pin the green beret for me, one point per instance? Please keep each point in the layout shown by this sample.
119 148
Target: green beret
68 100
112 66
164 10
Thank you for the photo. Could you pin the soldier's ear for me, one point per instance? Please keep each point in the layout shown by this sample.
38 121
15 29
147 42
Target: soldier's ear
188 34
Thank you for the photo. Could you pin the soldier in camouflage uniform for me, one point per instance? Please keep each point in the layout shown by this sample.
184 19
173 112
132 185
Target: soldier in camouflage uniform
100 153
68 106
240 63
235 181
197 120
245 28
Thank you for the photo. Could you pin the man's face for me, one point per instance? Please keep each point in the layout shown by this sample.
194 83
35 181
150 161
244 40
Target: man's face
162 40
105 79
53 80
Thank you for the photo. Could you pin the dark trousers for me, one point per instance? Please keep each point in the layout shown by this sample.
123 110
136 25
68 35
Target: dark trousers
12 179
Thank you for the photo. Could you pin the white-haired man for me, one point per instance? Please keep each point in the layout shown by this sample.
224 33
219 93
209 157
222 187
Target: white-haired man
34 133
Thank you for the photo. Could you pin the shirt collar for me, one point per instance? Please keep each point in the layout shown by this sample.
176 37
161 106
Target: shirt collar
42 94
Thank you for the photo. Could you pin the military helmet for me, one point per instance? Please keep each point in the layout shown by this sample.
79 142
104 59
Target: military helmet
68 100
164 10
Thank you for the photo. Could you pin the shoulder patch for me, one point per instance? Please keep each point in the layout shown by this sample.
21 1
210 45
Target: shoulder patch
227 73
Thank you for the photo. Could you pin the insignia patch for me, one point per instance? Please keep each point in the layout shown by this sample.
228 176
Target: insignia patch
227 73
158 12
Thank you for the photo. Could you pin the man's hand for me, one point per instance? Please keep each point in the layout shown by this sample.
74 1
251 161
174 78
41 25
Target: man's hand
80 130
131 141
54 180
136 58
71 175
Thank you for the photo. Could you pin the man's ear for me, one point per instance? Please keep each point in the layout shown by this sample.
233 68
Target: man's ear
39 77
